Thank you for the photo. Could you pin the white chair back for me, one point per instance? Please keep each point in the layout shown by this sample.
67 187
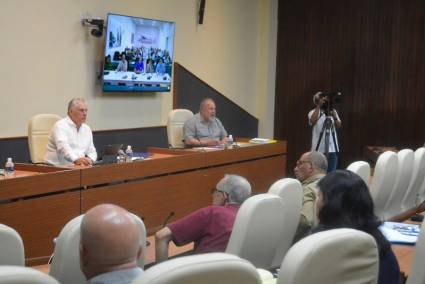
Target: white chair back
291 191
342 256
11 247
175 122
256 234
39 128
404 175
383 181
24 275
210 268
409 200
417 272
65 265
361 168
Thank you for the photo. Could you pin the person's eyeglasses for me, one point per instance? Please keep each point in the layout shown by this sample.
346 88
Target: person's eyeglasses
300 162
214 190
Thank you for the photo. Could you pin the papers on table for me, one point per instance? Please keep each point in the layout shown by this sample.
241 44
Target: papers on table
261 141
400 233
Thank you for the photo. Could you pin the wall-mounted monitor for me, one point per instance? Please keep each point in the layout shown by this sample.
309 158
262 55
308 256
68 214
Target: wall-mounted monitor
138 54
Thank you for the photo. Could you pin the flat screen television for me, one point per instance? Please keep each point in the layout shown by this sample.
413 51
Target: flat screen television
138 54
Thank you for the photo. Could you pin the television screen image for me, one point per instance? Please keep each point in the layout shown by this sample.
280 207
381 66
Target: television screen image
138 54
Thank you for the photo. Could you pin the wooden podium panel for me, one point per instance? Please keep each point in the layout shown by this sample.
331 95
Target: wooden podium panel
154 199
139 169
260 173
39 221
245 153
38 180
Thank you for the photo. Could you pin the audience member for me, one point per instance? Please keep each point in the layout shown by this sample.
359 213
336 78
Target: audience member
110 245
149 66
160 67
209 227
344 201
123 64
108 63
71 140
311 167
204 128
138 65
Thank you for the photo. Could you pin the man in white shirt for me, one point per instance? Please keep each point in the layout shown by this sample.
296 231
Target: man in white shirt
316 119
71 140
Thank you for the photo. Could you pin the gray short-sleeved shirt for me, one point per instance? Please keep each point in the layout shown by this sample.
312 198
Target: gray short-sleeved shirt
197 128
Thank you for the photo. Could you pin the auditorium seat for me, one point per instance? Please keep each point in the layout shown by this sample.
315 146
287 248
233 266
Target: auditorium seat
291 191
383 181
11 247
342 256
418 173
404 175
258 230
24 275
65 265
202 268
175 122
39 128
361 168
417 272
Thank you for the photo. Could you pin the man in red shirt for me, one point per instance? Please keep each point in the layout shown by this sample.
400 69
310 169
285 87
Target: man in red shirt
209 227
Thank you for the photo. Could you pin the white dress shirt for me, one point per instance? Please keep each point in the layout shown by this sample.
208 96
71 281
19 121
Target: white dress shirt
67 144
317 128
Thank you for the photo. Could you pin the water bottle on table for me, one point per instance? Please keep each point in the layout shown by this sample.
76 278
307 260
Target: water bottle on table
128 154
230 141
9 167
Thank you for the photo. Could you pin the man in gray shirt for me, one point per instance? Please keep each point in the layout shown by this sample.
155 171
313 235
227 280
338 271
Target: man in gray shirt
204 129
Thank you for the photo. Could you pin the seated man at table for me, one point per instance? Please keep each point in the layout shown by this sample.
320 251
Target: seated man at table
204 128
209 227
109 245
71 140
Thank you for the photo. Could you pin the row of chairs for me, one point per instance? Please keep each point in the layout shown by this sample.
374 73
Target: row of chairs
314 258
398 183
258 237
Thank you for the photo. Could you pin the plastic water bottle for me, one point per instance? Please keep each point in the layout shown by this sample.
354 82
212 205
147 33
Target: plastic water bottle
128 154
121 156
9 167
230 141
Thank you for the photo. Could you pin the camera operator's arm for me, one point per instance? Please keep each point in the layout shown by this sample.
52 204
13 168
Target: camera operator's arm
336 118
316 113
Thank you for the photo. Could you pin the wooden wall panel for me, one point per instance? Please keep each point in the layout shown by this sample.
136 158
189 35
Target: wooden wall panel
371 51
40 220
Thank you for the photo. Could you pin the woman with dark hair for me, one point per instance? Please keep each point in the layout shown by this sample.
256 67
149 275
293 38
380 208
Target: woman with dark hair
344 201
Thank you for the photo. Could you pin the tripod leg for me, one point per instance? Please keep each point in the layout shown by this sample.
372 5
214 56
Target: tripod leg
320 136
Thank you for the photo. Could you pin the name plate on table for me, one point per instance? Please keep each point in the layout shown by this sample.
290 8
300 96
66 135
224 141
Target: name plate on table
400 233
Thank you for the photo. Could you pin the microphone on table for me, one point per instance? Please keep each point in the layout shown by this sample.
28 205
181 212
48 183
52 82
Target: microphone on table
172 213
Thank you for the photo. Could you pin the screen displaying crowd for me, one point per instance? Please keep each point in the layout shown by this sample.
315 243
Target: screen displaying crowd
138 54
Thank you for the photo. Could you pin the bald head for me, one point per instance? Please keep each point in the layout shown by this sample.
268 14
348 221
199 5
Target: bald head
110 240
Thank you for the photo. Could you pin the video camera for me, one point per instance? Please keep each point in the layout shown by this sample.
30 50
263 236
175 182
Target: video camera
333 98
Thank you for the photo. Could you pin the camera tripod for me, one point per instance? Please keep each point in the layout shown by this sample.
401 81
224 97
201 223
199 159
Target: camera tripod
329 129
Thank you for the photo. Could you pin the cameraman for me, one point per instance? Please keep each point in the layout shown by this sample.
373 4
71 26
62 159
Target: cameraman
316 118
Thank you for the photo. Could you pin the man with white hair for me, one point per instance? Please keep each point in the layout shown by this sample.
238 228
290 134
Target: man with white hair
210 227
311 167
204 128
71 139
110 245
